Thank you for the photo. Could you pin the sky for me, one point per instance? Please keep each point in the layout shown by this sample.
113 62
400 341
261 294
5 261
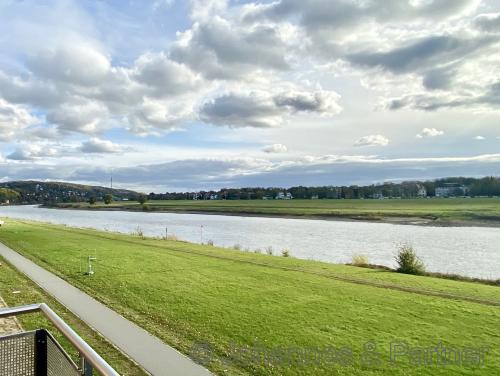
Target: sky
172 95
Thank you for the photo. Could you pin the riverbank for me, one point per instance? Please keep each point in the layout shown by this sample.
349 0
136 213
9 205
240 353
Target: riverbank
423 212
230 303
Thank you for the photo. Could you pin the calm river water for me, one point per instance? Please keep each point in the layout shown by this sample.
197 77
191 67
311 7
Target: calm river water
471 251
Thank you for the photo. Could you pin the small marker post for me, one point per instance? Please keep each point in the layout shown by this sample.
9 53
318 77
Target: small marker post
90 270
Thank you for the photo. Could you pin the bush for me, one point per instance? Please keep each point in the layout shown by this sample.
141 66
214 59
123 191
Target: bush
359 260
210 243
171 238
138 232
237 247
408 261
285 253
269 251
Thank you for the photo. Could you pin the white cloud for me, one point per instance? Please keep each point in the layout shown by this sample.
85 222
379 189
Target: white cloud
263 109
96 145
489 22
41 133
152 116
372 140
81 91
220 48
275 148
164 77
31 152
430 132
13 119
84 117
479 138
71 64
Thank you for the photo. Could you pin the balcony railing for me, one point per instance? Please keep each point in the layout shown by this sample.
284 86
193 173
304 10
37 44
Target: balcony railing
37 353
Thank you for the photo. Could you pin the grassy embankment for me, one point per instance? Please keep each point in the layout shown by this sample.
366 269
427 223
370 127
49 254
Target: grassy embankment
18 290
188 294
435 210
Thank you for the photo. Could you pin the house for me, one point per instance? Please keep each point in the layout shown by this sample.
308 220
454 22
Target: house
421 191
378 196
451 190
284 196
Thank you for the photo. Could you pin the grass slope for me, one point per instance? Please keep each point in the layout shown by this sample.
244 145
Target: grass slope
189 294
449 209
28 293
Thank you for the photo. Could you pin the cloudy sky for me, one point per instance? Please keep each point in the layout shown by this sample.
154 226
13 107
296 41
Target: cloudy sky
183 95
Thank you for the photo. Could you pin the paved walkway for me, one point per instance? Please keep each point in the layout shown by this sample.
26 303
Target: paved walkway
150 352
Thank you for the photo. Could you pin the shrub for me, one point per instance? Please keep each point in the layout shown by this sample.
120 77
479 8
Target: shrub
237 247
408 261
285 253
138 232
172 238
108 199
359 260
269 251
210 243
257 251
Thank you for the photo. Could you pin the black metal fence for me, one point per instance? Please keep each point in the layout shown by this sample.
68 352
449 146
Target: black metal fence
34 353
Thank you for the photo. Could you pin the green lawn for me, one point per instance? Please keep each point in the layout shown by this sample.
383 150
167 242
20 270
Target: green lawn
232 301
28 293
443 209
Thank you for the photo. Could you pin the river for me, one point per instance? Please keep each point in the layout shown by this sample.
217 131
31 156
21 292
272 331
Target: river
469 251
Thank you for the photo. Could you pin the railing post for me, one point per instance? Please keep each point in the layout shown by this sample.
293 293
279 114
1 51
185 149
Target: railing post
85 367
40 353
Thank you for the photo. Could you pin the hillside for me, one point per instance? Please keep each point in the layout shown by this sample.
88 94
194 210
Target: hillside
48 192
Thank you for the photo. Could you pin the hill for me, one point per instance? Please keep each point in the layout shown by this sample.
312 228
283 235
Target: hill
49 192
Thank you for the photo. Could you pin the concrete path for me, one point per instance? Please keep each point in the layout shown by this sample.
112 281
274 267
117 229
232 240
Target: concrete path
150 352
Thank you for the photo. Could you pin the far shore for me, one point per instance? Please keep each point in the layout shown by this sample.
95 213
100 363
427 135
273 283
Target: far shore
389 219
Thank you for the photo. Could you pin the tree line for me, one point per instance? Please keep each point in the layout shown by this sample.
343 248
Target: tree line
487 186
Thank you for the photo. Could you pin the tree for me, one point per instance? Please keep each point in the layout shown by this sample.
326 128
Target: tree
92 200
142 199
9 195
108 199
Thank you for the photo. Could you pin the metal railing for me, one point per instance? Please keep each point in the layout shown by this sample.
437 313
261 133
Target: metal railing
89 359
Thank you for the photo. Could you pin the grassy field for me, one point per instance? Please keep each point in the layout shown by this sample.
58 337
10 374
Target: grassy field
449 209
27 293
238 311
